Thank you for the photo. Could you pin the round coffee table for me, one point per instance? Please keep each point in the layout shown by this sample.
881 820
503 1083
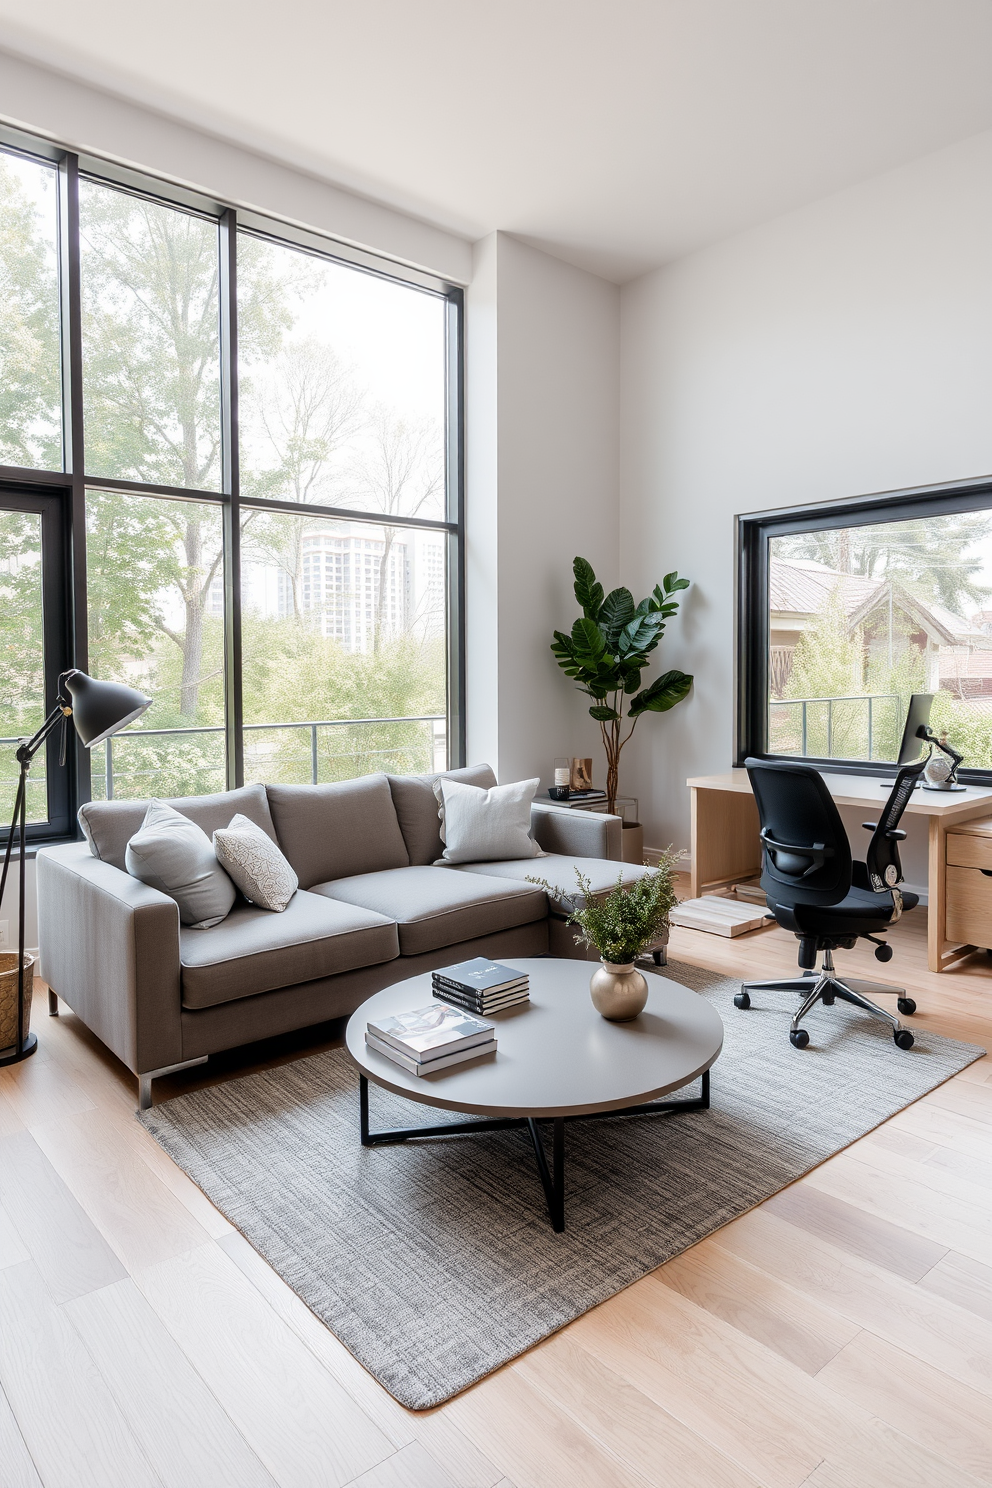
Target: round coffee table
556 1060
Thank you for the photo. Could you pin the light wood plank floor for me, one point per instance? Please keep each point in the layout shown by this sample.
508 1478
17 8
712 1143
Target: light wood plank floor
839 1336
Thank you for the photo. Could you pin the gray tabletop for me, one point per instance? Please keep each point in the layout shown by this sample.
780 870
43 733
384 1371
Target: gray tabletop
556 1056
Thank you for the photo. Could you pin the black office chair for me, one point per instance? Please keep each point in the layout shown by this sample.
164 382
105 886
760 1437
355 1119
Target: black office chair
814 889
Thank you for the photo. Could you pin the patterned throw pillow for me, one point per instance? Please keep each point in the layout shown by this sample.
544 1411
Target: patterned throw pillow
257 865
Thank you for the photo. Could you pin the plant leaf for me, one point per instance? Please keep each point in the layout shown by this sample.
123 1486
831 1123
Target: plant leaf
640 635
672 582
617 610
665 691
588 642
588 590
603 715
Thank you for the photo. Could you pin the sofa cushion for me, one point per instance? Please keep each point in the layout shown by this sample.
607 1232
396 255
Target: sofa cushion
418 811
172 854
108 826
558 871
256 864
334 831
434 907
486 825
254 950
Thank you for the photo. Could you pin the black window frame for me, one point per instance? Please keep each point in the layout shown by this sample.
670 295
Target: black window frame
72 783
755 530
50 504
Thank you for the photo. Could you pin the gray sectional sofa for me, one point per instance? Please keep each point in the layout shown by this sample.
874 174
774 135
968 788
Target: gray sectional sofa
371 909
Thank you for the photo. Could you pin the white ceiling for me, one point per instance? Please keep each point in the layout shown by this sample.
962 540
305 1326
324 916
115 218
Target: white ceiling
617 136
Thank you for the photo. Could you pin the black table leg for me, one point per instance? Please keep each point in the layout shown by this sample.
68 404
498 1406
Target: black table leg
553 1178
553 1182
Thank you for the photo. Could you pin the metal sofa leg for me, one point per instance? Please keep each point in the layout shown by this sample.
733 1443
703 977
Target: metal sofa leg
660 956
53 1003
145 1080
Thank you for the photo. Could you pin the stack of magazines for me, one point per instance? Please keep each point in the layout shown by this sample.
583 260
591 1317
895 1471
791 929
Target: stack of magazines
431 1038
481 986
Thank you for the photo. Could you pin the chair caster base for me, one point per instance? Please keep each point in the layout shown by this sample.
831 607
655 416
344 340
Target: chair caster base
742 1000
906 1006
799 1038
903 1039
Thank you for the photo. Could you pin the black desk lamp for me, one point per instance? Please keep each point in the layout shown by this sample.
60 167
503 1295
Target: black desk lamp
97 709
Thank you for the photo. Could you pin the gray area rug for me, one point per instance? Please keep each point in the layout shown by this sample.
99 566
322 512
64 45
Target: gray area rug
434 1262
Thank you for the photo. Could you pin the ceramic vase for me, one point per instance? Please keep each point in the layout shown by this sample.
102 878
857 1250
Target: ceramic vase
618 992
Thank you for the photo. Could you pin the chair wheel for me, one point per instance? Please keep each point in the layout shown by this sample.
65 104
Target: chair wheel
742 1000
903 1038
906 1006
883 953
799 1038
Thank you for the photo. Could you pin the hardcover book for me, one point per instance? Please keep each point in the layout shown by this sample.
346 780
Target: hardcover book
428 1066
431 1031
480 975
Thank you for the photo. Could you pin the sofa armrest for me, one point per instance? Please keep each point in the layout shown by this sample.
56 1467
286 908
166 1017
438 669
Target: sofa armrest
109 946
577 834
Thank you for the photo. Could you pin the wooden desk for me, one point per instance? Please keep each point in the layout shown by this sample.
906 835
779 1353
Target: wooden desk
726 847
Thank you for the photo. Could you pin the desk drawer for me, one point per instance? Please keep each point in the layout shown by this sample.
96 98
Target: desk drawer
969 850
969 906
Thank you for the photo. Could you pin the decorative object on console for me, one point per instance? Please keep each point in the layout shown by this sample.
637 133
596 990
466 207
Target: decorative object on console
559 791
172 854
620 925
97 710
580 775
606 651
479 826
257 864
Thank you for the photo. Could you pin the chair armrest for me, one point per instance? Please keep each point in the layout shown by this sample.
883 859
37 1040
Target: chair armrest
577 834
109 946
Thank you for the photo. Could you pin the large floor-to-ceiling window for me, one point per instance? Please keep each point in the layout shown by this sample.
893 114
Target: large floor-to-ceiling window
229 475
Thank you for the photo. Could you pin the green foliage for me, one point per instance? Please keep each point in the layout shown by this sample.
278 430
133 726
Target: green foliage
622 923
608 649
30 368
827 657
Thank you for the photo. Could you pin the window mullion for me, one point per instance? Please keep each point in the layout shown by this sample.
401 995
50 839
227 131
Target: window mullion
231 486
73 434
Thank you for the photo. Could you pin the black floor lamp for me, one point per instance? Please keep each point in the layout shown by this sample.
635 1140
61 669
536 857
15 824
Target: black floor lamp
97 709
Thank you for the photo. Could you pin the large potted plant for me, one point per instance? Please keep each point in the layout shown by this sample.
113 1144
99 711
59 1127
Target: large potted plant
606 652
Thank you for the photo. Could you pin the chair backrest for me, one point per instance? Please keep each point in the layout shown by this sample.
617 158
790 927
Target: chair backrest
807 857
882 858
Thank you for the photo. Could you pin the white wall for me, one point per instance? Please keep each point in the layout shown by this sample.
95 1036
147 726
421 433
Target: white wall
84 118
541 473
840 350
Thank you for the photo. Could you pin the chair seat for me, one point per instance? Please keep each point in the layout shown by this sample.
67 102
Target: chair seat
435 907
256 950
860 912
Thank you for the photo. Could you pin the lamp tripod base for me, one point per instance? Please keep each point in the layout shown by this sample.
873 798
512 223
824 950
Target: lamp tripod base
14 1056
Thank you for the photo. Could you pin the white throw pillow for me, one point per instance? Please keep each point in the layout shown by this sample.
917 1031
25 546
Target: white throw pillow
172 854
485 826
258 866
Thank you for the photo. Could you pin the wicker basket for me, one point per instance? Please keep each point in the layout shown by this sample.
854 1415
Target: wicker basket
8 996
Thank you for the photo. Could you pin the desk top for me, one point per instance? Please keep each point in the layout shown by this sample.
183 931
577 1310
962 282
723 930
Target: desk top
868 790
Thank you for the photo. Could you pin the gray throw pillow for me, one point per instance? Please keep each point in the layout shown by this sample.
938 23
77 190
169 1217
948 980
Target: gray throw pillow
486 826
258 866
172 854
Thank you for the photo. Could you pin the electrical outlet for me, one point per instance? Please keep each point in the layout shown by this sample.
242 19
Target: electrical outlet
4 932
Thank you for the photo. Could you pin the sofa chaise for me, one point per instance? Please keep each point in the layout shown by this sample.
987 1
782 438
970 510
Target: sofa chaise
372 908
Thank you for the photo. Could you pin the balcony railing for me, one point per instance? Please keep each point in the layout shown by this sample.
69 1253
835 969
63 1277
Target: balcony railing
123 768
296 763
863 726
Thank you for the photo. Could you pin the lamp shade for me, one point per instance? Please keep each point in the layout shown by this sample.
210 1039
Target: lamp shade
99 709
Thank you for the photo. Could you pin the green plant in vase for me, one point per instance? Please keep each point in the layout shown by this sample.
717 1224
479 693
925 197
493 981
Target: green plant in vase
606 652
620 925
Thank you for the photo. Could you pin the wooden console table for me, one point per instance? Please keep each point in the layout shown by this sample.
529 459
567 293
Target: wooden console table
726 847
